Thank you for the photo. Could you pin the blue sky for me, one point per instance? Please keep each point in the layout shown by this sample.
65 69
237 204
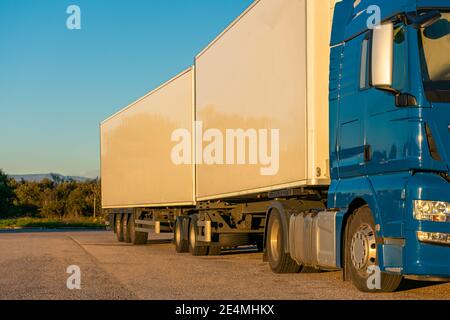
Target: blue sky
56 84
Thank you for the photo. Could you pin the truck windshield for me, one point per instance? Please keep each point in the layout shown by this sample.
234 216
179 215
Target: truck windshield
435 41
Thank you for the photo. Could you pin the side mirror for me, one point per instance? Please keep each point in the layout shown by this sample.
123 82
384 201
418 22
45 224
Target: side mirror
383 56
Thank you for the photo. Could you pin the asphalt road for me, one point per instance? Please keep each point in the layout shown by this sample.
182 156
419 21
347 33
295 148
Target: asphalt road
33 266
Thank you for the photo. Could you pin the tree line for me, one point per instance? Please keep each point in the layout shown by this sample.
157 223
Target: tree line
49 199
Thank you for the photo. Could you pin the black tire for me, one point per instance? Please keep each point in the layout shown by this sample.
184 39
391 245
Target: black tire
118 227
181 245
279 260
136 237
195 248
361 253
126 232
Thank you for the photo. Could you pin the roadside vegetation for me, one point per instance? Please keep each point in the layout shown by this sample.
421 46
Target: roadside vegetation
52 223
49 204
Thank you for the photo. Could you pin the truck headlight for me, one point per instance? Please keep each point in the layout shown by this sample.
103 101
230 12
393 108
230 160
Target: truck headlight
437 211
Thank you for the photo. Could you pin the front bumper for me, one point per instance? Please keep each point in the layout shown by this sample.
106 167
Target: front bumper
422 258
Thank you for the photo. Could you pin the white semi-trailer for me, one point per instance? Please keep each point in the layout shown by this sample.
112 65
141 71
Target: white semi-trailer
138 175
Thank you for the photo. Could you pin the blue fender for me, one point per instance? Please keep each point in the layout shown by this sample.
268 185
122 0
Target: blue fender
353 193
385 196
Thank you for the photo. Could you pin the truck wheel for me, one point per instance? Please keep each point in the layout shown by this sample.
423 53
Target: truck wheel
126 231
118 227
279 260
181 245
136 237
194 246
361 253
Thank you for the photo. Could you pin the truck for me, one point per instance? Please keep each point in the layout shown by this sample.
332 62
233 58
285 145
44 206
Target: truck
315 130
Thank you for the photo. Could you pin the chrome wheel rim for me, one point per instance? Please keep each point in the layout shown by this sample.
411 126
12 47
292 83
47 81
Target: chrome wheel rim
363 248
274 239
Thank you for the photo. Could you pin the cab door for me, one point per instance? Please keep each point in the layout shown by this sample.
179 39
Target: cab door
387 126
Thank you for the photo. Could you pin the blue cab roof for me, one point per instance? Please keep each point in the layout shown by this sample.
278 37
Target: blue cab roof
350 16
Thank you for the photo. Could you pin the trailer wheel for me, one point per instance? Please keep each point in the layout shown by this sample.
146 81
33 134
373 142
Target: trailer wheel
118 227
181 245
194 246
279 260
126 231
361 253
136 237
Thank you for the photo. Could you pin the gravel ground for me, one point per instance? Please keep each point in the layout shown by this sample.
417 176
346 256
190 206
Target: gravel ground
33 266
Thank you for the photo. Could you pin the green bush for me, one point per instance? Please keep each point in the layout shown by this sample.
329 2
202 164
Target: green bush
49 199
6 195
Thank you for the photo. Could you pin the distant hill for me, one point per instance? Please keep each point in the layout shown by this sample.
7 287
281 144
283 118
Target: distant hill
55 177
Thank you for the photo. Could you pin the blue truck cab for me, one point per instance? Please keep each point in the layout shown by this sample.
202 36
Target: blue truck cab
390 138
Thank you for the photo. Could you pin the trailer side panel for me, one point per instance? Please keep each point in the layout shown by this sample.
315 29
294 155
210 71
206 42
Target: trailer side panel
256 75
136 147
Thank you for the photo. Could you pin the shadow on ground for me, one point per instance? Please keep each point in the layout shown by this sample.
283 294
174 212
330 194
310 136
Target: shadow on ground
409 284
238 251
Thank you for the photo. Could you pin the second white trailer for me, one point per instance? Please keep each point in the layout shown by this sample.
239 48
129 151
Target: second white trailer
268 71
